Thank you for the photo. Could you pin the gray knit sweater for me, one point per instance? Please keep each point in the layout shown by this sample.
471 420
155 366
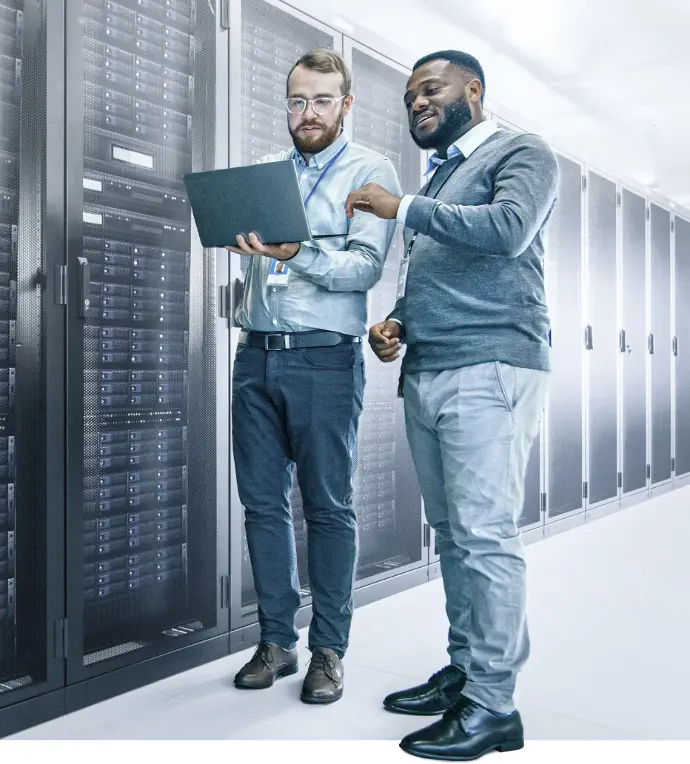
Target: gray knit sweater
475 286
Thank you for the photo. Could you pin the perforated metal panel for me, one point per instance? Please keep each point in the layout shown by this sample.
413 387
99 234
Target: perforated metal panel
272 40
386 492
660 322
682 333
564 409
602 383
634 425
22 373
149 506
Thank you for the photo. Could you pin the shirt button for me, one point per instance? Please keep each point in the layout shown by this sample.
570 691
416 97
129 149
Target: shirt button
275 322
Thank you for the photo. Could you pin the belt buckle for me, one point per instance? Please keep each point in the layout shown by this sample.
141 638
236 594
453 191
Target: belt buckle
283 344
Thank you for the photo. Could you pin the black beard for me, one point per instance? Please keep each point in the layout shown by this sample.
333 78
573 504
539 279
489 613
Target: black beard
455 116
315 145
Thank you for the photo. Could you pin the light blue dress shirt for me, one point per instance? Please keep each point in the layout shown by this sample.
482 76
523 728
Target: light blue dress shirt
329 278
465 145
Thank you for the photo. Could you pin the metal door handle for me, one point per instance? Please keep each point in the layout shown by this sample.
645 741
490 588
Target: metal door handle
83 287
650 344
621 341
675 346
589 344
225 14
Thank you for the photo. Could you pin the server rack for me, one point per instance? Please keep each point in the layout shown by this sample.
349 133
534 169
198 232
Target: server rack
681 345
660 345
564 472
143 563
386 492
268 39
602 340
31 366
633 343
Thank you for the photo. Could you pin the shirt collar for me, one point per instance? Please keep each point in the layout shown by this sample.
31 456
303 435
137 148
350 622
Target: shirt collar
321 159
466 144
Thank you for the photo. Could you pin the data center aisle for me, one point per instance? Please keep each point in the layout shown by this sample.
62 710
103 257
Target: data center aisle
610 628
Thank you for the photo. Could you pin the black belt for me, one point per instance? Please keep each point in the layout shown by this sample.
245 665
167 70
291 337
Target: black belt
294 340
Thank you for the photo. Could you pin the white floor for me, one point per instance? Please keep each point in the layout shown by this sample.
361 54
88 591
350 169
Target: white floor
609 607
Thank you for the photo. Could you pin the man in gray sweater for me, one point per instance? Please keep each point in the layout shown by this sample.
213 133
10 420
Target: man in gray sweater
471 310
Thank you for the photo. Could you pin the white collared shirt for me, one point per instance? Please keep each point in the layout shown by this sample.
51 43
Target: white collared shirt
465 145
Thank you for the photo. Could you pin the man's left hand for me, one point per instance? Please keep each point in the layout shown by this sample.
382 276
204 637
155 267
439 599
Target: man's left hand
375 199
254 247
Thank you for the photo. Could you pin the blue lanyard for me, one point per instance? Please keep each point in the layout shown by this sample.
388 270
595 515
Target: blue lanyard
325 170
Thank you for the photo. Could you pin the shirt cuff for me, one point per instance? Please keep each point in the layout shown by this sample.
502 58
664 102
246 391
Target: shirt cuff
405 203
304 258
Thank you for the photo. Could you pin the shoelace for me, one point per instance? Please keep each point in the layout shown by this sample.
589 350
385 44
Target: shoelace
447 672
264 654
323 662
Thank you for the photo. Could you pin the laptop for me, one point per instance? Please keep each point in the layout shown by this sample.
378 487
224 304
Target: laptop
263 198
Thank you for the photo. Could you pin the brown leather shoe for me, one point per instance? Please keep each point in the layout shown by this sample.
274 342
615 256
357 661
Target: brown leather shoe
269 662
324 680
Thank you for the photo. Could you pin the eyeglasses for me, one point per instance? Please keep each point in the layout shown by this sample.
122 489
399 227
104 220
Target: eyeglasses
297 106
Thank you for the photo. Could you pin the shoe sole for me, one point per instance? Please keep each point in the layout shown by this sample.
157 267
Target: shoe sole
406 712
318 701
504 747
287 671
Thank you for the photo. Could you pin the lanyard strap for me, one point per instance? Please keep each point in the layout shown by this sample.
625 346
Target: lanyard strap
436 193
325 170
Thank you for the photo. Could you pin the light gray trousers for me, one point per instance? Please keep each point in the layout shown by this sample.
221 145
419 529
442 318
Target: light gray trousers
470 432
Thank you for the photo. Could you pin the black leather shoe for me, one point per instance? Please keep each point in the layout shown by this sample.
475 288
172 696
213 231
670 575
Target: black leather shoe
466 732
324 680
434 697
270 662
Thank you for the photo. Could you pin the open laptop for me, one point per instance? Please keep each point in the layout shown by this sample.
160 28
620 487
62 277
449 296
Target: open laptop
260 198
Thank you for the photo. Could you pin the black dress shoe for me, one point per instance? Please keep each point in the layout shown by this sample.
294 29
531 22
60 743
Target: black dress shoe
434 697
466 732
270 662
324 680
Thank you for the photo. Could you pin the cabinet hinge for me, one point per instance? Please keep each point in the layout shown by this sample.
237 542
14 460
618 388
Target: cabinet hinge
224 592
619 200
427 535
585 490
649 471
648 213
542 502
673 464
60 638
620 479
61 285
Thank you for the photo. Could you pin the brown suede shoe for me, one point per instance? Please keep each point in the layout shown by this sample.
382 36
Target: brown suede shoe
324 680
269 663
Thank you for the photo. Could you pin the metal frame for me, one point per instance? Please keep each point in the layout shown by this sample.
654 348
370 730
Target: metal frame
74 101
674 307
672 235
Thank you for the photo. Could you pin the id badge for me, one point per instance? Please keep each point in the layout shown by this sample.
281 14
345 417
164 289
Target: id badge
278 273
402 275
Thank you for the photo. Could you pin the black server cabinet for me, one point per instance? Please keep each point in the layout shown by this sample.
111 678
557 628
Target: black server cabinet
659 344
272 40
633 343
564 441
681 345
31 355
142 515
602 336
387 495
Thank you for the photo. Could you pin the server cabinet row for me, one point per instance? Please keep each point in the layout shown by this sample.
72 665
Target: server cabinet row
121 534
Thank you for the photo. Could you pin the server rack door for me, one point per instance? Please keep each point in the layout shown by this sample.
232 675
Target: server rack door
564 474
387 495
531 505
143 574
633 343
268 39
602 381
31 349
660 346
682 345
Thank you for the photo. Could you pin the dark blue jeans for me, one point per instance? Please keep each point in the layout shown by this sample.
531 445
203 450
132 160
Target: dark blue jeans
299 407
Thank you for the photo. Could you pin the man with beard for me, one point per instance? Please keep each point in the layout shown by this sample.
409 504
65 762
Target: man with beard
471 309
298 383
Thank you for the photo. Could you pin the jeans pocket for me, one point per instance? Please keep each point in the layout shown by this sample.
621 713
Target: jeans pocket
506 378
335 358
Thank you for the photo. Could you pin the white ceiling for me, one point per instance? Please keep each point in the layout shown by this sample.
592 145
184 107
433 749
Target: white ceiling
607 81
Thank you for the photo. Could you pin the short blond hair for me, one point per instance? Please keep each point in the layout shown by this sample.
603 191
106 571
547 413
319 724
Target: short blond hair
327 62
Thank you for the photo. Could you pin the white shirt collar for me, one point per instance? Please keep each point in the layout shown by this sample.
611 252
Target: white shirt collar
466 144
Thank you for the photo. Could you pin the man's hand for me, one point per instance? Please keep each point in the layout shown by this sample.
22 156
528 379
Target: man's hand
255 247
375 199
384 340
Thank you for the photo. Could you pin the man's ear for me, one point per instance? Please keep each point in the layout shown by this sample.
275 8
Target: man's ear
347 104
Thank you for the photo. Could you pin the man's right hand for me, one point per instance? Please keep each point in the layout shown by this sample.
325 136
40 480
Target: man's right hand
384 339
